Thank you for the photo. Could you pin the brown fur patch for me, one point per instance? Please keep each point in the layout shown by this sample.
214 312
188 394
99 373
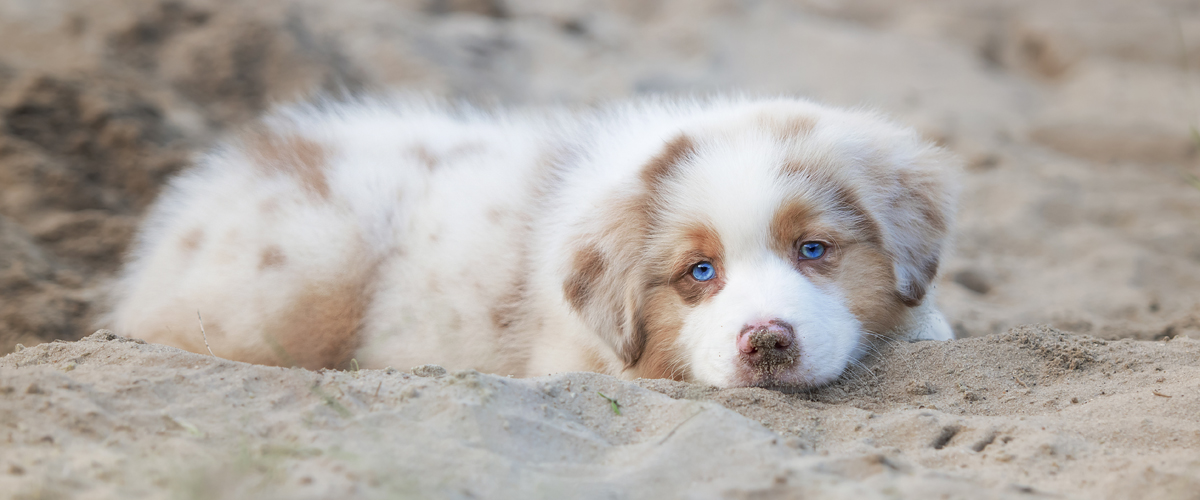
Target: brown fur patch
663 166
916 205
297 156
790 223
605 284
865 227
918 288
699 243
630 218
919 191
703 239
666 298
191 241
841 200
840 220
504 313
602 281
514 345
271 256
594 362
855 261
659 323
320 328
788 127
866 278
917 194
650 348
512 323
587 269
815 166
615 291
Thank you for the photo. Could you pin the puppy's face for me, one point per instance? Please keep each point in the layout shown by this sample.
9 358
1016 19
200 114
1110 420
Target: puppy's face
767 251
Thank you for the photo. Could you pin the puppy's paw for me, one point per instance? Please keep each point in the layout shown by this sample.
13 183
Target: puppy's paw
925 322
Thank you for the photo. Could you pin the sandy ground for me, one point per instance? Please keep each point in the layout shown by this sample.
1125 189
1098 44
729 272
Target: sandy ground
1074 118
1033 412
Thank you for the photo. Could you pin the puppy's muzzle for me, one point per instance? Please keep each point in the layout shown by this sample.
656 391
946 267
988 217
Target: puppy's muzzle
768 345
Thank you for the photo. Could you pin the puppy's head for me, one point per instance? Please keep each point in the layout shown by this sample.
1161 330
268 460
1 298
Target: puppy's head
764 245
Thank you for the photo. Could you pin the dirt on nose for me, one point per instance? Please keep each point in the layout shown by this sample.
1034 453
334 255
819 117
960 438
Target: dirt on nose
773 349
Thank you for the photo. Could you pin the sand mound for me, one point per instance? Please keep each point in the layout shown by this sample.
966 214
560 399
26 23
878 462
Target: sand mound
1031 412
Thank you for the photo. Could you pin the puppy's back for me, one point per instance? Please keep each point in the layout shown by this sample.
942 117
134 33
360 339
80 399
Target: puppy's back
279 237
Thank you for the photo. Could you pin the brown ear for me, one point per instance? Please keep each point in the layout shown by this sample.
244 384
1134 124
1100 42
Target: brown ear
606 282
604 287
917 217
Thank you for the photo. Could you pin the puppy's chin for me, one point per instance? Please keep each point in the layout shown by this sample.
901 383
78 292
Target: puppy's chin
804 374
791 377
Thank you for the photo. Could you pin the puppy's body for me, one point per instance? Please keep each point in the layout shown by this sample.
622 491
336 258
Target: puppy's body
406 233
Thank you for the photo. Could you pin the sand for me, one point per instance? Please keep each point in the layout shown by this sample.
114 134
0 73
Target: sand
1029 413
1080 214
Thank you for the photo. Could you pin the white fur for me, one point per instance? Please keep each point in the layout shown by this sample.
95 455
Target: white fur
487 236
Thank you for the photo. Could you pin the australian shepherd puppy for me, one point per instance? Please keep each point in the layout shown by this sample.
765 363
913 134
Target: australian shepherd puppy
731 242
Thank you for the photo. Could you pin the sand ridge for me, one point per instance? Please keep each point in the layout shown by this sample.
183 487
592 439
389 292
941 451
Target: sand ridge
1039 412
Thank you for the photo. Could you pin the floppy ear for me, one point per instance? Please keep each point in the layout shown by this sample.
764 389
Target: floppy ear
604 286
917 216
607 277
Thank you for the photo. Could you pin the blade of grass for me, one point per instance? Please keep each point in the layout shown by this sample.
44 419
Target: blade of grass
330 401
616 406
205 335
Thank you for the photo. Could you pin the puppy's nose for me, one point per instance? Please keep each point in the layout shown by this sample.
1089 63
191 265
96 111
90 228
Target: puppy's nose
768 343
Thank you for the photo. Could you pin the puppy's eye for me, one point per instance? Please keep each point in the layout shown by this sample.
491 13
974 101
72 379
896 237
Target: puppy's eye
812 250
703 271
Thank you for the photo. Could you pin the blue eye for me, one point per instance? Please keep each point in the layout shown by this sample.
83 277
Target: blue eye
703 271
812 250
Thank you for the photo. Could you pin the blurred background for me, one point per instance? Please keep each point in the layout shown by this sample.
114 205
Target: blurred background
1074 118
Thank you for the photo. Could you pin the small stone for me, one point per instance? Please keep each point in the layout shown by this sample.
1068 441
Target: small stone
102 335
920 388
429 371
796 443
105 335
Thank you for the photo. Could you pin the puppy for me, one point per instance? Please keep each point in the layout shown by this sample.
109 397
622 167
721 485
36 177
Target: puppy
730 242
